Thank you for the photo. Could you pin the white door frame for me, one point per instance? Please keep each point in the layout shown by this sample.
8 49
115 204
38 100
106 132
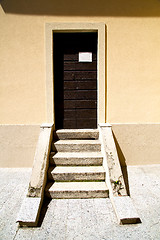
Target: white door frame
101 83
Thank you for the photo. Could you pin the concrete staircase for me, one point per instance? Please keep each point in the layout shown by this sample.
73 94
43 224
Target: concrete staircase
76 169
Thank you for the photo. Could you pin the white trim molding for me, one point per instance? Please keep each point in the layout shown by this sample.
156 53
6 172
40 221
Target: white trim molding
100 28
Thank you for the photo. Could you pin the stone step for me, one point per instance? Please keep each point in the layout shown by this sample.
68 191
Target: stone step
77 146
67 190
76 134
76 158
76 173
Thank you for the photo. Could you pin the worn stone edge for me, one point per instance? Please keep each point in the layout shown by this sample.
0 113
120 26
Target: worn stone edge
46 125
39 177
126 206
126 219
30 220
40 192
105 125
111 161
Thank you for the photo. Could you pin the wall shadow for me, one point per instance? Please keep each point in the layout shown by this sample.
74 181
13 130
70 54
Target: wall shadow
126 8
44 209
122 164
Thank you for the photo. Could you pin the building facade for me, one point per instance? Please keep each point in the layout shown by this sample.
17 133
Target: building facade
121 48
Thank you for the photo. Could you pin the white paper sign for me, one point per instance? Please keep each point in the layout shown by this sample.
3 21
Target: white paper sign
85 57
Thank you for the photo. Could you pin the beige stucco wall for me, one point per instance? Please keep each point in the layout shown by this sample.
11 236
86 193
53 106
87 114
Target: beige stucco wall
18 144
22 70
137 144
132 68
132 64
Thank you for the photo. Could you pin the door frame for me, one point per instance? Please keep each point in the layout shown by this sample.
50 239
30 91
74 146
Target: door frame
101 84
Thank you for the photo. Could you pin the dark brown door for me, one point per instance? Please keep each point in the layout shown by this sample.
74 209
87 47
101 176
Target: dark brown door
75 80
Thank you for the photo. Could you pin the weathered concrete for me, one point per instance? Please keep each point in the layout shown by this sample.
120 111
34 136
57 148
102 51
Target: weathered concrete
122 204
74 164
111 161
41 162
125 210
77 134
76 173
77 145
82 218
38 179
77 190
76 159
29 211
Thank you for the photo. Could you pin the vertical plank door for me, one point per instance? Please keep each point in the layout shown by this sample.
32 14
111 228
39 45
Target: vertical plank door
75 80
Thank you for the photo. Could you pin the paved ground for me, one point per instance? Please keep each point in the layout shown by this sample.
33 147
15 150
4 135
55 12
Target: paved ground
91 219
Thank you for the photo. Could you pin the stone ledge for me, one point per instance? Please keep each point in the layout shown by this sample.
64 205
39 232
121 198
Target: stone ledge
46 125
105 125
29 212
123 205
31 206
125 210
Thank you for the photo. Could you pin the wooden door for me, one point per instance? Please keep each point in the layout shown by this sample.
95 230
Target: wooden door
75 80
